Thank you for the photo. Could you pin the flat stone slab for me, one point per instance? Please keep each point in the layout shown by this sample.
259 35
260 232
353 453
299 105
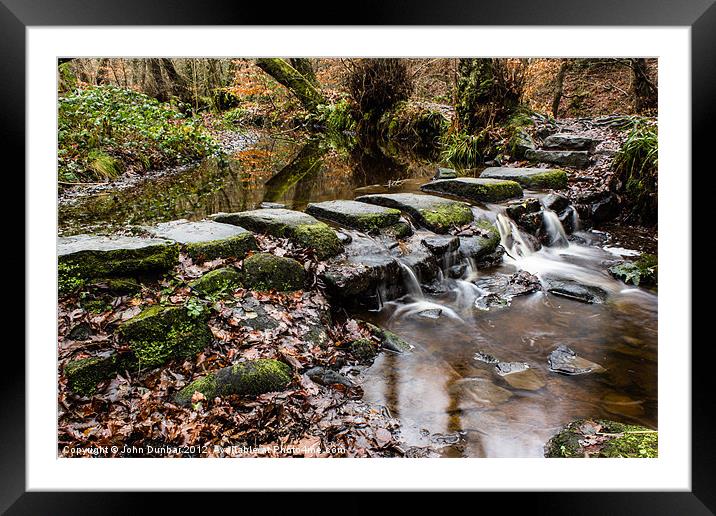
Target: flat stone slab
566 141
529 177
564 360
577 291
435 213
577 159
476 189
99 243
356 215
301 228
186 232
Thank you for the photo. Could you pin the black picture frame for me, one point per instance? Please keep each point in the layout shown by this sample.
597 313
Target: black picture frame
700 15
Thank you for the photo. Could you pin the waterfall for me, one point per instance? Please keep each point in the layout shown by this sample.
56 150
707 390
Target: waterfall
555 232
511 238
411 280
576 224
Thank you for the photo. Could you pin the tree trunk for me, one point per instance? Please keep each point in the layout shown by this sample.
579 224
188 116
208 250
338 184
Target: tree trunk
177 84
102 72
304 67
559 87
292 79
643 90
155 84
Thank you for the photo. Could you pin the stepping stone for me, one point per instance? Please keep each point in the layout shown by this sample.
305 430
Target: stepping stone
577 159
529 177
85 257
207 239
356 215
566 141
445 173
564 360
435 213
476 189
441 244
301 228
574 290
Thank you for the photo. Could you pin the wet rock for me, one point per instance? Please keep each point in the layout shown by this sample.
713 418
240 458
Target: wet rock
555 202
388 339
325 376
216 283
301 228
566 141
519 376
457 271
344 238
485 357
250 378
399 231
478 393
476 189
534 178
441 244
85 257
576 159
422 262
505 368
445 173
501 288
207 239
84 374
254 316
481 248
356 215
600 438
160 333
577 291
564 360
264 271
597 207
431 313
640 272
520 143
364 350
272 205
434 213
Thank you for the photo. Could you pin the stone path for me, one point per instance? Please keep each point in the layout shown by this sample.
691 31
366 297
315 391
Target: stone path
476 189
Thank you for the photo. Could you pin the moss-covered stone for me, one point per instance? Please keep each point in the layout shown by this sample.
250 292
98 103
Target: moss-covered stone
217 283
250 378
476 189
118 286
358 215
532 178
603 439
264 271
319 237
364 349
643 271
234 247
160 333
84 374
399 230
388 339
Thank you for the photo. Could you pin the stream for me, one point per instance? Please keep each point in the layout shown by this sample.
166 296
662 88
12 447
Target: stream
450 398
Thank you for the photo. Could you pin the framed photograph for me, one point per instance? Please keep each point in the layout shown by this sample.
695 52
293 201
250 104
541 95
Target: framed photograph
432 254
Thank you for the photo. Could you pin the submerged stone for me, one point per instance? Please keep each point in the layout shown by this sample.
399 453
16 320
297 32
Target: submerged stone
435 213
478 393
207 239
600 438
565 360
519 375
577 159
577 291
476 189
160 333
249 378
300 228
357 215
534 178
217 282
85 257
264 271
566 141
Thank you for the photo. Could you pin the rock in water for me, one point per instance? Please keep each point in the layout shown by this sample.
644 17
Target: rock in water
357 215
325 376
577 291
534 178
565 360
519 375
476 189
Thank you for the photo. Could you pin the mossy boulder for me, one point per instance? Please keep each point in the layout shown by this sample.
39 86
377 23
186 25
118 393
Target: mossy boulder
388 339
599 438
300 228
118 286
264 271
249 378
84 374
476 189
160 333
520 142
364 350
640 272
532 178
218 282
357 215
485 244
435 213
83 258
207 239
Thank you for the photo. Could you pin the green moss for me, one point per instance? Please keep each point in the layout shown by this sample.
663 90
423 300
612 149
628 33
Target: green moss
119 286
160 333
244 378
319 237
234 247
83 375
399 230
492 234
264 271
217 283
447 216
388 339
413 123
615 440
555 179
364 349
487 191
371 222
85 265
69 279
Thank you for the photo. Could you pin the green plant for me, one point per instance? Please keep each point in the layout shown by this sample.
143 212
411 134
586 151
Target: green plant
195 308
104 131
462 149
